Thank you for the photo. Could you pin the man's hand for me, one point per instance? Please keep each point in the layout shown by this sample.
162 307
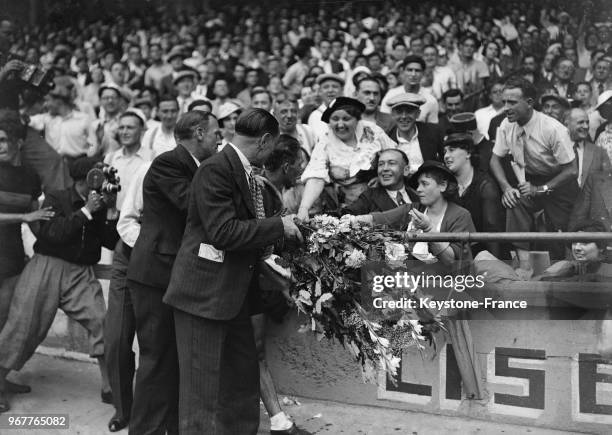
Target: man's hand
10 67
44 214
94 202
510 197
527 189
291 230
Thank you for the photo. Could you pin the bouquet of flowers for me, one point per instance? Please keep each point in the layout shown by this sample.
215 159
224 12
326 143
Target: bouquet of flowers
327 277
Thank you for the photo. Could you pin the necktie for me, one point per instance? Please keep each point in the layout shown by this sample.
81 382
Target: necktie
400 199
600 88
257 197
577 157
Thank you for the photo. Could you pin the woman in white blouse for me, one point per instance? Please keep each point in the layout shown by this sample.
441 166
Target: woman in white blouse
343 155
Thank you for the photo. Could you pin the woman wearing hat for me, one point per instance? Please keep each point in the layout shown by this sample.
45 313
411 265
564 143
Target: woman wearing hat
343 155
476 191
436 186
228 114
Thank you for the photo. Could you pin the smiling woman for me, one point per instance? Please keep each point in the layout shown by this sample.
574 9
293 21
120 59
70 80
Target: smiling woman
342 158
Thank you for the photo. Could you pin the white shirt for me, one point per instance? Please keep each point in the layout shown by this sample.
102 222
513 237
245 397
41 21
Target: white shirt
429 110
484 117
71 135
314 121
127 166
155 139
393 195
412 149
128 225
580 151
245 162
183 103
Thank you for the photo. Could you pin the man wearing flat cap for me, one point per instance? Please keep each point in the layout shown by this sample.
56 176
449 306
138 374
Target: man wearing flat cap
66 129
554 106
413 68
330 88
113 100
420 141
175 59
184 83
61 275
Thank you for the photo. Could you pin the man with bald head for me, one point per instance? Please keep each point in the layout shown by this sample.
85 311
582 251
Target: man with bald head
589 157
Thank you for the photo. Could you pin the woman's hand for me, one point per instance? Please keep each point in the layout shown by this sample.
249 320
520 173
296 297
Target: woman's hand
44 214
421 220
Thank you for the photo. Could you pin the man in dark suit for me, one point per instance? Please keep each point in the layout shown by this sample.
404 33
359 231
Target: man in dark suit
166 190
420 141
589 157
391 191
224 238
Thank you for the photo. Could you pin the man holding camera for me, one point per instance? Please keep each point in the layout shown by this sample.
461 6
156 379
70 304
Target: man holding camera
61 275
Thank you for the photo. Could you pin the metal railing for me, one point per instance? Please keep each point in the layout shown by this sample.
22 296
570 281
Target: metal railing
508 237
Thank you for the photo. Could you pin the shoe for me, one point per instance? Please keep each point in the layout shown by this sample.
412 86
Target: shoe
293 430
107 397
14 388
116 424
4 403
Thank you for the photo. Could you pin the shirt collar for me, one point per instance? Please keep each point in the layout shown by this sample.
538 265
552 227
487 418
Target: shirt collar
531 123
245 162
402 191
415 136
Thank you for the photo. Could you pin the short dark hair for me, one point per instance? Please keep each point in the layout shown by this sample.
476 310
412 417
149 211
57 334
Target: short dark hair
285 97
397 150
187 123
166 99
526 87
256 123
196 103
11 124
261 90
452 188
413 59
286 149
591 226
452 93
368 79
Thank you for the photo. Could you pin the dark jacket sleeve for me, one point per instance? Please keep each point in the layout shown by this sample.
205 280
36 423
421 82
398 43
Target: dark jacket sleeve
172 181
398 217
65 225
362 205
219 217
457 220
110 234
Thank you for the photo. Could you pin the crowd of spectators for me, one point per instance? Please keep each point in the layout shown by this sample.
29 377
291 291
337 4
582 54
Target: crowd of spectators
503 110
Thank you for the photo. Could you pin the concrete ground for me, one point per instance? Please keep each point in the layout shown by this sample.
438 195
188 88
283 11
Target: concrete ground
63 386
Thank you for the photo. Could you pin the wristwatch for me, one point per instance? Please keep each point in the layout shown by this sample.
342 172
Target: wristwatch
543 190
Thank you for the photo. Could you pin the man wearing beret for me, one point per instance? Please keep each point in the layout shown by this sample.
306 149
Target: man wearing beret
413 68
61 275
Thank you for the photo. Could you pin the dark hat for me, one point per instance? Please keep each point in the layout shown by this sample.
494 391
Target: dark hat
328 76
143 100
459 140
177 51
81 166
558 98
340 103
462 122
431 165
63 88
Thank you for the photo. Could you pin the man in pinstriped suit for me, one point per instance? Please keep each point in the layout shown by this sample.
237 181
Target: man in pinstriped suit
223 241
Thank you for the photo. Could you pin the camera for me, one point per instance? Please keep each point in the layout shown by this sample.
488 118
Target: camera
33 75
103 179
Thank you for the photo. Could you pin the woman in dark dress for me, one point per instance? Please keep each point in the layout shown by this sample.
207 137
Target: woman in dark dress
477 192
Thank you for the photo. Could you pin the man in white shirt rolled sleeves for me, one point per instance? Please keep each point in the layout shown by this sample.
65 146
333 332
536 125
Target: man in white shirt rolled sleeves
542 150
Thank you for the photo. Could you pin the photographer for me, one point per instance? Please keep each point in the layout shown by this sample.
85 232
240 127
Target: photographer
61 275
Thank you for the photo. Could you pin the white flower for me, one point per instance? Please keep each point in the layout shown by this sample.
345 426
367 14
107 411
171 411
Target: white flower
355 259
395 251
